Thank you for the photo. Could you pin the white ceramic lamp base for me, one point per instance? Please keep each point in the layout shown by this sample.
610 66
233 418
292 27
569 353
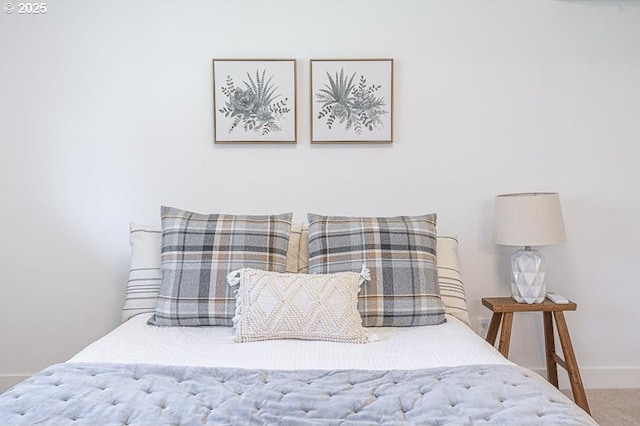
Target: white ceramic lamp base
527 276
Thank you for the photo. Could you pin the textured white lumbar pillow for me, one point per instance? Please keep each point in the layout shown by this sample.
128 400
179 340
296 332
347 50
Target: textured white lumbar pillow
273 305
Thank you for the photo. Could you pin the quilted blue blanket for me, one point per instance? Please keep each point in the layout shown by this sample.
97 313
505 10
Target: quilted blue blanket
121 394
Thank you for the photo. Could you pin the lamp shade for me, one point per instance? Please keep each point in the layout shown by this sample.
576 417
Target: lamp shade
528 219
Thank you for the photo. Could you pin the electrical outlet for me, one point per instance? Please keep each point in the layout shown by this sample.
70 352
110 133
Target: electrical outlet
483 326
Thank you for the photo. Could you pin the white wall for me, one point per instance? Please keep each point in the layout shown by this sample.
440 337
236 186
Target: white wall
106 113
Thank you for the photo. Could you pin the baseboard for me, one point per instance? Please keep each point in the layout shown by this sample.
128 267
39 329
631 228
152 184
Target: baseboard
600 378
8 380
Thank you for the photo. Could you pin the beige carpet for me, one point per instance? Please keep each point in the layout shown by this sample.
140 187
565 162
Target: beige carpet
614 407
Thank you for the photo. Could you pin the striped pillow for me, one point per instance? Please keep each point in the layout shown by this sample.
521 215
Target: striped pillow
401 254
449 279
198 251
144 270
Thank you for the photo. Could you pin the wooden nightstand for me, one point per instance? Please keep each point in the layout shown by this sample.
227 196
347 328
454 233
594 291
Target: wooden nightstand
503 309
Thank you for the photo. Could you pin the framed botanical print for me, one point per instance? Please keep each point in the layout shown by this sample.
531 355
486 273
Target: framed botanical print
351 100
254 100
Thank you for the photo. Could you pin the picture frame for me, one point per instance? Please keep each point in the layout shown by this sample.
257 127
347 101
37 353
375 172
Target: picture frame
351 100
254 101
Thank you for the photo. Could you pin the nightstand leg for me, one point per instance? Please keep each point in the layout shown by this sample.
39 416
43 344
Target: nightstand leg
570 359
492 333
550 349
505 334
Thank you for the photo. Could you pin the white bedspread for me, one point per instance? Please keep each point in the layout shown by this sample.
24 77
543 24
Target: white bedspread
399 348
140 374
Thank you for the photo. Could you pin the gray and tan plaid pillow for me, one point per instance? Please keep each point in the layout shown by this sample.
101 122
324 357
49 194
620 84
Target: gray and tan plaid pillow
198 251
401 254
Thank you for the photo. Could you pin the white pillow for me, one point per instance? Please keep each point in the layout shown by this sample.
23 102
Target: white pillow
275 305
293 251
144 272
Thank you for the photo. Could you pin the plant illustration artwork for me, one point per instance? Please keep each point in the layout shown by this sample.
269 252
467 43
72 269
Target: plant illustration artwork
351 100
254 100
355 106
257 107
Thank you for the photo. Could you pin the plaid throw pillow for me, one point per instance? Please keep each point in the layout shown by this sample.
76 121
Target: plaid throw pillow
198 251
401 254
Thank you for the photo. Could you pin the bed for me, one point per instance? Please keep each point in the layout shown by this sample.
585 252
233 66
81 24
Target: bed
145 374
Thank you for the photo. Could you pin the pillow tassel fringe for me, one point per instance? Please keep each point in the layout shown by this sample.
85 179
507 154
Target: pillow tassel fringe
233 278
365 274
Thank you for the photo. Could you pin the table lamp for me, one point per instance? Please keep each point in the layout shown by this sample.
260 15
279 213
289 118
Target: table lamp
528 219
